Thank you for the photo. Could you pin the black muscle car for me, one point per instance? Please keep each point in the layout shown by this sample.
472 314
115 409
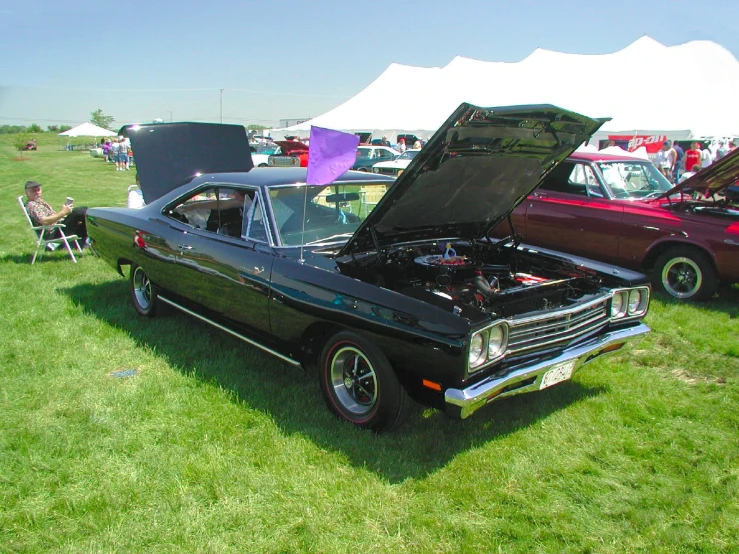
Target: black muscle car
392 288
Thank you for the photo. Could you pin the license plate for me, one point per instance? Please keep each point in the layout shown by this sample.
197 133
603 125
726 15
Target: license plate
557 374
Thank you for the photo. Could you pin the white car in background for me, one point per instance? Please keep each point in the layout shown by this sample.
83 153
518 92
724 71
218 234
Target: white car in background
396 166
260 154
369 155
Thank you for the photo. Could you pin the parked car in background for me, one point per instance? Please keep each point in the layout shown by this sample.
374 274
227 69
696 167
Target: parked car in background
367 156
395 167
291 153
622 210
260 154
391 289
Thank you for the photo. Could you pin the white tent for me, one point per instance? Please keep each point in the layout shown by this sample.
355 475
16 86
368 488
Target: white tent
628 86
87 129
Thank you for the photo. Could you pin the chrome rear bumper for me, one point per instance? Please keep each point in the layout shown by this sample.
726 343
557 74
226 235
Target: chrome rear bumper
464 402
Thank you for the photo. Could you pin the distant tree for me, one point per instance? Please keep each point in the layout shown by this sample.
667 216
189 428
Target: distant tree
21 141
98 118
12 129
256 127
63 128
35 128
53 128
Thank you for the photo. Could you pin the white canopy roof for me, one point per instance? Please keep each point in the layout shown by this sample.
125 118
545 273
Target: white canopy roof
87 129
629 86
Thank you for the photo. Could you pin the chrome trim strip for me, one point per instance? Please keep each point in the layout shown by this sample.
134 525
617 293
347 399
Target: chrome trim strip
229 331
464 402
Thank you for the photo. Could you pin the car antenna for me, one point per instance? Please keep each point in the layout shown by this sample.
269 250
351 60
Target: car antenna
302 233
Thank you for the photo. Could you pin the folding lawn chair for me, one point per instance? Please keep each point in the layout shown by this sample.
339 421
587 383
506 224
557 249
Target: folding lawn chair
51 243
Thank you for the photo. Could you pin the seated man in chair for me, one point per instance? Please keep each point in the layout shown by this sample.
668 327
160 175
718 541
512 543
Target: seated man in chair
43 214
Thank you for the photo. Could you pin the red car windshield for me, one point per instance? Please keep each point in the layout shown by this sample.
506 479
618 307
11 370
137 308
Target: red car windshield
633 180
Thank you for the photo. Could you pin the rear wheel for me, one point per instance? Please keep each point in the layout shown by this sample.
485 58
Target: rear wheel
685 273
359 385
142 292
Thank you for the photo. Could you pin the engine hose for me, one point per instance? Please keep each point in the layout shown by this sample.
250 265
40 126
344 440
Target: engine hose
484 287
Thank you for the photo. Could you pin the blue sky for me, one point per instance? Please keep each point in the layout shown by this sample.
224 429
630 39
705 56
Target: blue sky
278 59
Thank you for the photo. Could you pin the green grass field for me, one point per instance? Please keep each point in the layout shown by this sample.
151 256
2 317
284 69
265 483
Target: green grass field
216 447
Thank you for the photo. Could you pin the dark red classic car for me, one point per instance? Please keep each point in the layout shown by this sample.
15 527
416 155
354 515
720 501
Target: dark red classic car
621 210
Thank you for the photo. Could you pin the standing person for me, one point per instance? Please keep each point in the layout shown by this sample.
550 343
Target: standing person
665 159
692 157
721 151
680 154
42 213
123 154
114 148
401 146
706 157
385 142
106 150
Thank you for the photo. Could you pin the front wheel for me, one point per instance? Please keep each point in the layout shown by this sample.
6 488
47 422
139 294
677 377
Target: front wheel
359 385
685 273
142 292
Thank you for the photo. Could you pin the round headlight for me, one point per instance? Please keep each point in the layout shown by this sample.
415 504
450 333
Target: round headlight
375 170
496 343
477 349
617 305
635 300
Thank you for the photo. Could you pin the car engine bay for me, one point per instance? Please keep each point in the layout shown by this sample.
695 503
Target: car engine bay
496 278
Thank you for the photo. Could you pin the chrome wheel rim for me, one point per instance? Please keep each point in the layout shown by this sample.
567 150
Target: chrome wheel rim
353 380
681 277
142 288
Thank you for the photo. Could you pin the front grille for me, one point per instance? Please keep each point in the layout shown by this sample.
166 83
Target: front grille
283 161
530 334
387 171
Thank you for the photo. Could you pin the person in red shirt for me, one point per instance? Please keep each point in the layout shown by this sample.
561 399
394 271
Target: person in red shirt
692 157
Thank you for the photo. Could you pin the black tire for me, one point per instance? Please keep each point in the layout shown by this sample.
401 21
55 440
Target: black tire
359 384
362 169
142 292
685 273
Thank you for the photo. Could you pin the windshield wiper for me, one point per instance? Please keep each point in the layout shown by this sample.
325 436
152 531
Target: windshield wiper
328 240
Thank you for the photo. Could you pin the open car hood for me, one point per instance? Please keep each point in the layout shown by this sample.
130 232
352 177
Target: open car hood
715 178
479 165
289 146
170 154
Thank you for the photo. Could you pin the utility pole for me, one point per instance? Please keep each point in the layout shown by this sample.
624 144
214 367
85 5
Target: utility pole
222 105
170 115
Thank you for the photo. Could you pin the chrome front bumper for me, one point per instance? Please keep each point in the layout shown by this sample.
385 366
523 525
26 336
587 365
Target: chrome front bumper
464 402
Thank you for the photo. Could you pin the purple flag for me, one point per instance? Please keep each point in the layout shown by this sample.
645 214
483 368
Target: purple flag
330 154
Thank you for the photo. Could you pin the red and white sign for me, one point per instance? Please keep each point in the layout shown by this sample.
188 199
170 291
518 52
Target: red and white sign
652 143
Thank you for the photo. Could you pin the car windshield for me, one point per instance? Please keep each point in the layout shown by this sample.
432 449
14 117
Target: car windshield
633 179
408 155
332 212
267 149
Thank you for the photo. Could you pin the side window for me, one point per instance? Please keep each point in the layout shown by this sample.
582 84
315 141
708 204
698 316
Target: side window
254 226
584 182
558 179
219 209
